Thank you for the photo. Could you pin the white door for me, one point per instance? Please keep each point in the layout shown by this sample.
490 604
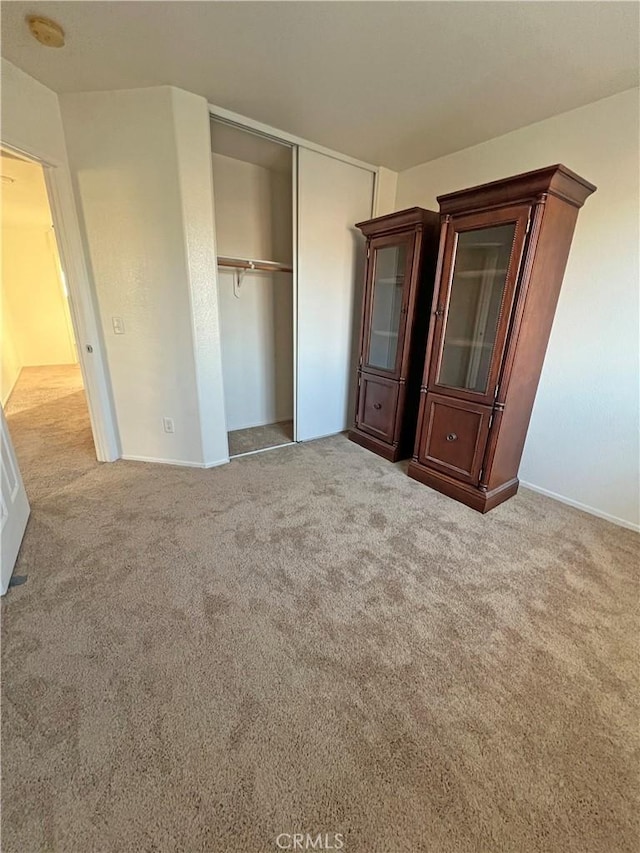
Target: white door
332 197
15 508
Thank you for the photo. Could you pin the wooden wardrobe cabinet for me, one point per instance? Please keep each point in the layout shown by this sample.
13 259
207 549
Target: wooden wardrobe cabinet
503 252
401 259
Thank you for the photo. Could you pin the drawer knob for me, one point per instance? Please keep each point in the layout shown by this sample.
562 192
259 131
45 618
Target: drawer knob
452 437
377 405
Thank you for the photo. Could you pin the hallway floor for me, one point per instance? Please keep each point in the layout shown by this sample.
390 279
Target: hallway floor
307 640
49 424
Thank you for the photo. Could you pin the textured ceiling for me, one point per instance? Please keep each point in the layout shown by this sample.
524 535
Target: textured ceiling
393 83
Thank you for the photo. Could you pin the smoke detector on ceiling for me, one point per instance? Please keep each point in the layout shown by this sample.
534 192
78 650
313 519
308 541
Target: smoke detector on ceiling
46 31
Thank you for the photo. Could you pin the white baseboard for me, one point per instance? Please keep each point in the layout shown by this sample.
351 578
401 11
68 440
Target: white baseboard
217 463
179 462
621 522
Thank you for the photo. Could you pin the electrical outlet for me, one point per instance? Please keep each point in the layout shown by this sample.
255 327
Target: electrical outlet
118 325
168 425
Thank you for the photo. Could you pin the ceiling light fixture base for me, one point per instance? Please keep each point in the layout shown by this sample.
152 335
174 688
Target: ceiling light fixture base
46 31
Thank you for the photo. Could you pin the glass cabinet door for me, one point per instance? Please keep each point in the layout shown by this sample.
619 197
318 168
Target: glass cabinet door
485 266
390 266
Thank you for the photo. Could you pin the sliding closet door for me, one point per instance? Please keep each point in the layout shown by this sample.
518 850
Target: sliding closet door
332 197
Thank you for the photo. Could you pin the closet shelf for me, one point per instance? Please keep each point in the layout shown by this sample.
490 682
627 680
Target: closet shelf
249 264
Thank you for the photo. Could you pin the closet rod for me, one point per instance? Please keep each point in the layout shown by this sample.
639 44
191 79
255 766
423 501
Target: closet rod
241 264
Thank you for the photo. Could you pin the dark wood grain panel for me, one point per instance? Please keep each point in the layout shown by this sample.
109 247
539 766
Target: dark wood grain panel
378 402
455 437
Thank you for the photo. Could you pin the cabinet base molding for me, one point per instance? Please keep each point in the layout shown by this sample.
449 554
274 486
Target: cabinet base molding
387 451
471 496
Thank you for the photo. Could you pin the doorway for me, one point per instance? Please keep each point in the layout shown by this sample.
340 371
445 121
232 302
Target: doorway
253 198
41 385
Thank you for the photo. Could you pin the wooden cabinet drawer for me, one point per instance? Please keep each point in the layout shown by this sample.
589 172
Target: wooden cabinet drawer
455 436
377 406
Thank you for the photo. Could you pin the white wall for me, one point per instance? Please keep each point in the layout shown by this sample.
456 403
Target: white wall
33 297
253 210
142 176
257 348
385 192
193 144
582 445
253 207
10 363
31 123
31 116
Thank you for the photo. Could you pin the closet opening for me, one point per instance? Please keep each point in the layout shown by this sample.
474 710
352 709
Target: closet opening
253 199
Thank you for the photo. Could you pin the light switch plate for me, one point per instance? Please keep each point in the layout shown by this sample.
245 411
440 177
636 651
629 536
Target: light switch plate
118 325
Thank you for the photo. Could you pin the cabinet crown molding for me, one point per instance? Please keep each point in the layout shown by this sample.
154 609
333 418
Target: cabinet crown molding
400 220
555 180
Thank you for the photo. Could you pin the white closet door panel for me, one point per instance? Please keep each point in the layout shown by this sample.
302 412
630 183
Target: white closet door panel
332 197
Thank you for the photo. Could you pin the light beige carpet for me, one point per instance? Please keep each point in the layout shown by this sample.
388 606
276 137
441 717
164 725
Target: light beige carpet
307 640
260 437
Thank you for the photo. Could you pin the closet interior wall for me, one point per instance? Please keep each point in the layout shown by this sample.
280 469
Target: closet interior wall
252 188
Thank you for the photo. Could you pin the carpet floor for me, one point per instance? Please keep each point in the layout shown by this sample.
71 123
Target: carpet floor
307 641
260 437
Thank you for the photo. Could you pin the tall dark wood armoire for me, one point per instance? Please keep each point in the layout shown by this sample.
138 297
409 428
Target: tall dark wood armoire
402 249
503 251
